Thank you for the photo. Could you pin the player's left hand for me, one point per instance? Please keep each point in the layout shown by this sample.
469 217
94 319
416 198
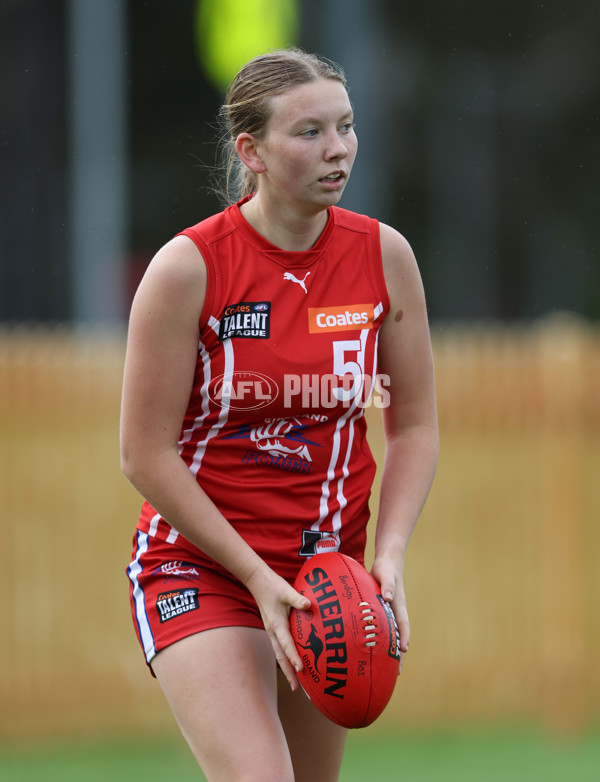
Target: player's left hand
390 579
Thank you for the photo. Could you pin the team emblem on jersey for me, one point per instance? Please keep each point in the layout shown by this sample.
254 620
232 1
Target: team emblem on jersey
342 318
247 319
280 443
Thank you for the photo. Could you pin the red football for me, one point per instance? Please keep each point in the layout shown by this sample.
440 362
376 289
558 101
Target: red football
348 640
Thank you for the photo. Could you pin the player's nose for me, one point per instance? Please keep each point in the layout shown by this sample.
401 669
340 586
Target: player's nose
336 148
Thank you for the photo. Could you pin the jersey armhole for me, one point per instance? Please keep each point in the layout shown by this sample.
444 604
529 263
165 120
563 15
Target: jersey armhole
377 266
207 258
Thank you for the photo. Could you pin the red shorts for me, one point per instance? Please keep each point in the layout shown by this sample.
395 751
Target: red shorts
173 596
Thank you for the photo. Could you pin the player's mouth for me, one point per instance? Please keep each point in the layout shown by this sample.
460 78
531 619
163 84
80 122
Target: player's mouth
335 179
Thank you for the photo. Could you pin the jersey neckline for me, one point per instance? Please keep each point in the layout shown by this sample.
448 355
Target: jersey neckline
284 258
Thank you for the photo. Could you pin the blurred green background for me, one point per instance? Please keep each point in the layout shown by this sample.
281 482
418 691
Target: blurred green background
478 139
372 755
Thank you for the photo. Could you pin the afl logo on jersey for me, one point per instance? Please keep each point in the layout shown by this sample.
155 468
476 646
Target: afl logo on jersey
241 390
343 318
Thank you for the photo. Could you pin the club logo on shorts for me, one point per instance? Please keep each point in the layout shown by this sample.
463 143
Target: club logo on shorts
175 603
247 319
342 318
178 571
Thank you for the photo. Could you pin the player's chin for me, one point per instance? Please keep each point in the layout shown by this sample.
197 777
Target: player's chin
334 192
327 199
325 189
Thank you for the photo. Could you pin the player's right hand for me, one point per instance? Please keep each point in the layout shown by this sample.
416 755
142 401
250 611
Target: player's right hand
275 599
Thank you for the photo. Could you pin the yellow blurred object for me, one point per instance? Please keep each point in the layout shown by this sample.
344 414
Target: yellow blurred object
229 33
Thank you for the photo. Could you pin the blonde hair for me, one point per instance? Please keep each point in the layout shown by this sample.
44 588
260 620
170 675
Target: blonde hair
248 105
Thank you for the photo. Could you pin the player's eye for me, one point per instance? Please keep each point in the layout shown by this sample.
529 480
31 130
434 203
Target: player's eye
310 133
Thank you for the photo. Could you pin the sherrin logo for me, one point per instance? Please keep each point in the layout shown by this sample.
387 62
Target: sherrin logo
341 318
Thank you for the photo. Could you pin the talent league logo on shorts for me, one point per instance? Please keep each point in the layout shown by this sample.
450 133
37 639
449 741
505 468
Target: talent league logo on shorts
343 318
175 603
246 319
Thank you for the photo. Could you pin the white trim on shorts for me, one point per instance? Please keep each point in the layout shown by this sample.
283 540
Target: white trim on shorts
141 615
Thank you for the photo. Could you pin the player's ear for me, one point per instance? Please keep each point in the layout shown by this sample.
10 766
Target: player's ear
247 148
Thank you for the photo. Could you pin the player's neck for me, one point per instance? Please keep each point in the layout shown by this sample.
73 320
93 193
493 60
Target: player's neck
285 228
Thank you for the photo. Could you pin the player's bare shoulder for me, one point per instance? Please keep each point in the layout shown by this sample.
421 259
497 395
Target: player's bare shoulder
175 278
400 268
178 265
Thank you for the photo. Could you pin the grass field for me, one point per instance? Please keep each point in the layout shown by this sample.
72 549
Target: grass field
370 757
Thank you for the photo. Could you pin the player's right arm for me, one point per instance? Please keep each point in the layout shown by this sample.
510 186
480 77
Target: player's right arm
162 350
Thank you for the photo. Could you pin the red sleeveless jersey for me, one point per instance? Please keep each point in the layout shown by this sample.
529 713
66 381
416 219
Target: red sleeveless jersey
274 431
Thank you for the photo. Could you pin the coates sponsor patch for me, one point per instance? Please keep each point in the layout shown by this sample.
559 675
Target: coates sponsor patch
342 318
247 319
176 602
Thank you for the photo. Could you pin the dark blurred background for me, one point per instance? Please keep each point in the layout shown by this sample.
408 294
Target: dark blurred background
478 133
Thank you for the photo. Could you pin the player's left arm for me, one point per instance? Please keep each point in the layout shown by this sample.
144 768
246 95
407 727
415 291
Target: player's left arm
409 420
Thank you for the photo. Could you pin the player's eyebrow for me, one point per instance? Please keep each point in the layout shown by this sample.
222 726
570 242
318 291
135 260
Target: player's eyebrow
313 120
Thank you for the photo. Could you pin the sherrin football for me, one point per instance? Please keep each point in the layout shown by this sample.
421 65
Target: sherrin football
348 640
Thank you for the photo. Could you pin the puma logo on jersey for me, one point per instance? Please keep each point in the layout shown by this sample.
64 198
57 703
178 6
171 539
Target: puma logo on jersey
292 278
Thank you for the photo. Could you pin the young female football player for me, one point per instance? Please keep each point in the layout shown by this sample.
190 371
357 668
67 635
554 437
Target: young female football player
254 340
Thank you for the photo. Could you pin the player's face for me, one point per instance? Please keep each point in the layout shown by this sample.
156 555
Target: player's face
309 146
